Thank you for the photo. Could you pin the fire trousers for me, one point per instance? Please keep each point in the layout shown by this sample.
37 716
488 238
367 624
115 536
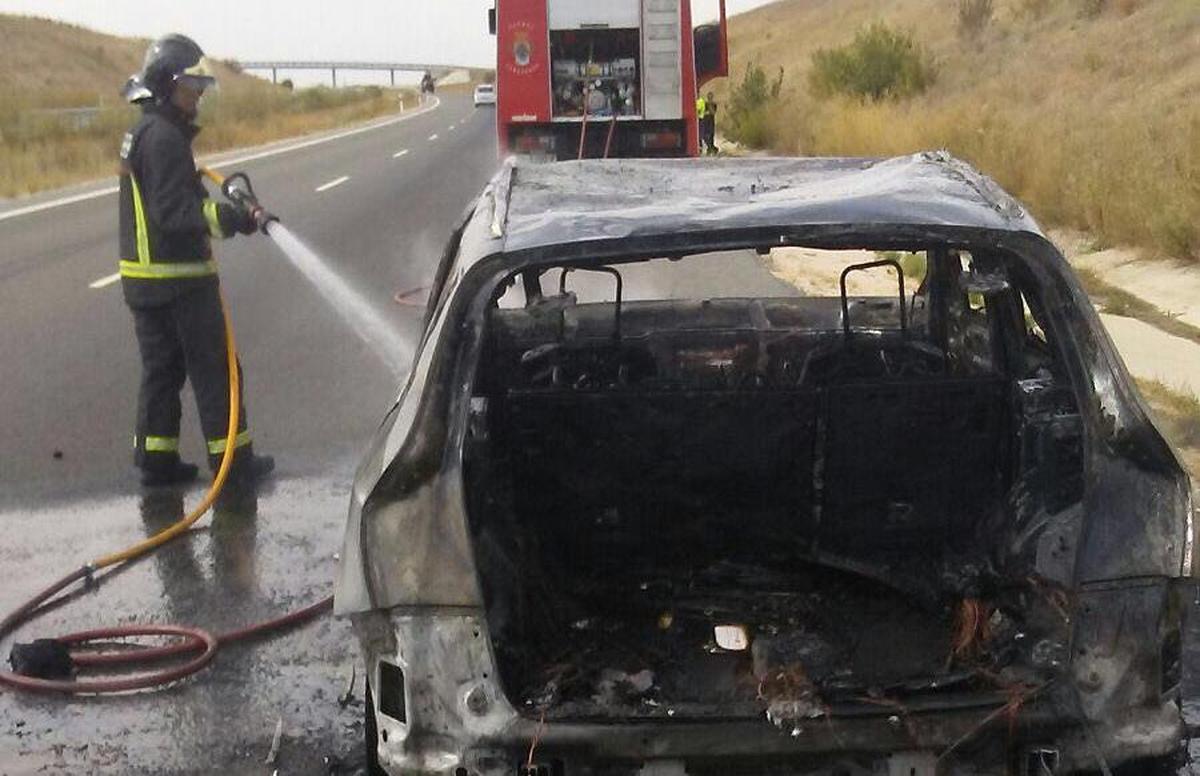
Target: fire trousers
181 340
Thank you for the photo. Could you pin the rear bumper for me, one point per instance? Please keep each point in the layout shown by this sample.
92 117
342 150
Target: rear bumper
453 715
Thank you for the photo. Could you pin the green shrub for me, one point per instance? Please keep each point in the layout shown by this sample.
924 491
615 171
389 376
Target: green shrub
879 63
750 103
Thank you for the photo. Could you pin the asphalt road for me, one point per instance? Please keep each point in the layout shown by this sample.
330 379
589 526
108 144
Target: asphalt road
68 351
315 394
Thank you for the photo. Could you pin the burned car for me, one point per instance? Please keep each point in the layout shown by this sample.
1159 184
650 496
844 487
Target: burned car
796 466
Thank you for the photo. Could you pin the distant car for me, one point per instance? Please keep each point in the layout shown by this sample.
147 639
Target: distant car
485 94
803 466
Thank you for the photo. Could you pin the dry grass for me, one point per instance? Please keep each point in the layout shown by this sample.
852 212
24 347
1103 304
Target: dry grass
1177 416
51 65
1117 301
1093 122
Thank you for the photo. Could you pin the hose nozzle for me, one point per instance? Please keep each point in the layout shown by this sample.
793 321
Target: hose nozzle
237 189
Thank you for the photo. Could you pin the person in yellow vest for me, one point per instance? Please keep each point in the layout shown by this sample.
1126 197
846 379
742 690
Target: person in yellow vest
708 127
168 276
701 117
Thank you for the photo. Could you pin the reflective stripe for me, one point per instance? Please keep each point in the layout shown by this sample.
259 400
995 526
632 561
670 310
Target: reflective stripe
139 217
161 270
214 223
160 444
217 446
144 268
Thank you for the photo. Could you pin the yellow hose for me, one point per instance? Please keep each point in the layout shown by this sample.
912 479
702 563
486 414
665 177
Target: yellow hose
199 638
213 176
214 490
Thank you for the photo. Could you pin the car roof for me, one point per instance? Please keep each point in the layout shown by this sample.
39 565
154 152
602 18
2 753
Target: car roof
539 204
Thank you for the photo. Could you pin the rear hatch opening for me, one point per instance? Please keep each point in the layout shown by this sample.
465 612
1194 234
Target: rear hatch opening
797 499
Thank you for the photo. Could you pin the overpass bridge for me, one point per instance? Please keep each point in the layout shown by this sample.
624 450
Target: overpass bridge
438 71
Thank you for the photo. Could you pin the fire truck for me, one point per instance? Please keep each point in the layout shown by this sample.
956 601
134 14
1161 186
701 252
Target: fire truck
602 78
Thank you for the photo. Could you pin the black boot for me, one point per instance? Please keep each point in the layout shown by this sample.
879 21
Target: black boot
174 473
247 468
253 468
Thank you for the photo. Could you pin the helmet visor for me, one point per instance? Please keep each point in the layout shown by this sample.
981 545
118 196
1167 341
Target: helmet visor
199 76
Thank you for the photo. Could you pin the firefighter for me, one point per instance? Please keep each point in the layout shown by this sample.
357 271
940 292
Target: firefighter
701 112
168 274
708 126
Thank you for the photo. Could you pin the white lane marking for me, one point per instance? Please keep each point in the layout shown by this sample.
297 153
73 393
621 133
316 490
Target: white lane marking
332 183
208 162
400 153
107 280
433 136
452 126
71 200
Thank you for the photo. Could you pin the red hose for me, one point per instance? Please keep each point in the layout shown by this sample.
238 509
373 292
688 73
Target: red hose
193 640
608 140
583 126
26 609
196 637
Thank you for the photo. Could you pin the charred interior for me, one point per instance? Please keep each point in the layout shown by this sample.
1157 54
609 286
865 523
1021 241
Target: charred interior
720 507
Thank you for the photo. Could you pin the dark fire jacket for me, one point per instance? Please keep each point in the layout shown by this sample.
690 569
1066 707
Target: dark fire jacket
167 219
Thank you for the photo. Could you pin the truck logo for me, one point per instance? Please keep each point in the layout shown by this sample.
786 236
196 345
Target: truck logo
522 50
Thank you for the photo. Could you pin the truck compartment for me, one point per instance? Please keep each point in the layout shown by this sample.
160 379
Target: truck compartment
596 71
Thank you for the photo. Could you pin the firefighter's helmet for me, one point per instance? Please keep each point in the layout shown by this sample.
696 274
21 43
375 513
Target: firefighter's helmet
171 59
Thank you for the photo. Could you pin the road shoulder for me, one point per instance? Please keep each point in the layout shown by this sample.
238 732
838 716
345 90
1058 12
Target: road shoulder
13 208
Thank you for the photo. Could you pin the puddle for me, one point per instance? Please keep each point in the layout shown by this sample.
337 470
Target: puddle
269 555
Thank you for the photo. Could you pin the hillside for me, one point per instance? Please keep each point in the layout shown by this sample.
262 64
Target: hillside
1089 110
46 64
49 64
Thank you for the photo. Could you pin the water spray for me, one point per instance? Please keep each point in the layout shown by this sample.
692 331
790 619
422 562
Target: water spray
367 323
49 665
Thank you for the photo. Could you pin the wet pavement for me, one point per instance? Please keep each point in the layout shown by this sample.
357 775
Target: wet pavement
315 396
251 561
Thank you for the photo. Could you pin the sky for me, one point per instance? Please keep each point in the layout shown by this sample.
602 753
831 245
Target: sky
433 31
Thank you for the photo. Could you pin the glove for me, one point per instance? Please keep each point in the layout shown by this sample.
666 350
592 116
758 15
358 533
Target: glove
246 223
262 217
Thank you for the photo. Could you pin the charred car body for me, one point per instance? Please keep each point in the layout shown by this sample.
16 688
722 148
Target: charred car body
925 532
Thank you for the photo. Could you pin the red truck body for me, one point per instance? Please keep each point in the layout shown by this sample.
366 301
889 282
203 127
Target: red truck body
602 78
